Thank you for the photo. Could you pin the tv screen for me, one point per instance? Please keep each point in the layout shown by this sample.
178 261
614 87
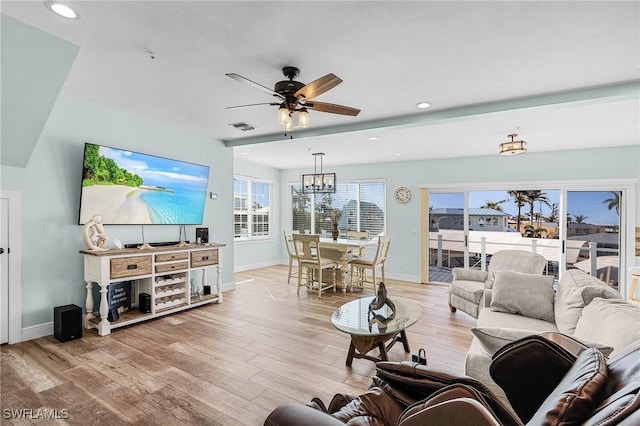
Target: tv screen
130 188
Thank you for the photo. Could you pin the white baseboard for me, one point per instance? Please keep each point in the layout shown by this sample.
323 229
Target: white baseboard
401 277
35 331
242 268
46 329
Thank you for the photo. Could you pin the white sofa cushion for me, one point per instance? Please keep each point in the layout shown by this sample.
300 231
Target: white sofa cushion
611 322
530 295
576 290
494 338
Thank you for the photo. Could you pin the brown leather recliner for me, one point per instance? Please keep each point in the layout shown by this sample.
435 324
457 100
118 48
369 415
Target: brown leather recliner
549 379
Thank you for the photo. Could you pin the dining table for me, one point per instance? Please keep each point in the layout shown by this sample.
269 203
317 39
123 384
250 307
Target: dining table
343 250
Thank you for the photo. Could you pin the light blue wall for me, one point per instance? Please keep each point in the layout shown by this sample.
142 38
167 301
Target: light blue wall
264 252
403 221
50 189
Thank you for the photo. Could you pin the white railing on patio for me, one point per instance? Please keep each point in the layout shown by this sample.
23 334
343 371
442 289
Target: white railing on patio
485 243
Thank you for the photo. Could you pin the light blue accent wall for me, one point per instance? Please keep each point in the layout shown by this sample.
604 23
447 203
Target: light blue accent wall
261 252
403 220
50 192
35 66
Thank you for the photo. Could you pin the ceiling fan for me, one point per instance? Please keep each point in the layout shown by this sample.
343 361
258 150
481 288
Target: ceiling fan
294 96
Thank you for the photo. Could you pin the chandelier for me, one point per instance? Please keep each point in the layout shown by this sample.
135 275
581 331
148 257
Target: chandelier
318 183
513 147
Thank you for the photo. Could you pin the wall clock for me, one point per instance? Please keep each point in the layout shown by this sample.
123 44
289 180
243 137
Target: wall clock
402 195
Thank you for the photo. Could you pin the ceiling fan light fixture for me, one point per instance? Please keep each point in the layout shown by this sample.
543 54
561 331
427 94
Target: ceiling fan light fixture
288 124
303 118
283 114
513 147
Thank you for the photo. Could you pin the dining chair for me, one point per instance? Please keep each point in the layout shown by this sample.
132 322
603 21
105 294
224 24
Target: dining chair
311 263
291 251
359 266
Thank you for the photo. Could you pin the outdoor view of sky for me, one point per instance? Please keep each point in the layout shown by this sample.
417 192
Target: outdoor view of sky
589 204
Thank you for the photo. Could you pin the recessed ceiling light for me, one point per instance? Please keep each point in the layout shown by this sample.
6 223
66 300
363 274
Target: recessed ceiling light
397 154
373 138
61 9
423 105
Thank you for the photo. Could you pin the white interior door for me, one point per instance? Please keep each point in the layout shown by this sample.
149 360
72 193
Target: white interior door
4 270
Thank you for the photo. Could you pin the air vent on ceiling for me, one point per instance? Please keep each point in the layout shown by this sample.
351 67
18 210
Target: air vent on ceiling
242 126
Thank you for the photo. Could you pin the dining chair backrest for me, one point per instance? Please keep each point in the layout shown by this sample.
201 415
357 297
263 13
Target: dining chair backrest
288 242
357 235
384 241
306 246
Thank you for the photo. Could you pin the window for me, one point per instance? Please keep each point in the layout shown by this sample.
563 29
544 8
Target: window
361 205
251 207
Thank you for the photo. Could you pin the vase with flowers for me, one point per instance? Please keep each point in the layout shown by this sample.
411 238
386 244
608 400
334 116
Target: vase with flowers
335 218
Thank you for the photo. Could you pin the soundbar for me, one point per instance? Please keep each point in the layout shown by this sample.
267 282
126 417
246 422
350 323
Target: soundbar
158 244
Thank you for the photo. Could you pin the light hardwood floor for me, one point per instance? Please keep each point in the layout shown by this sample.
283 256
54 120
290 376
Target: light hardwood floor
227 364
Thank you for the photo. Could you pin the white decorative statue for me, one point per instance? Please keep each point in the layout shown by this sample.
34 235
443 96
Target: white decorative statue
93 234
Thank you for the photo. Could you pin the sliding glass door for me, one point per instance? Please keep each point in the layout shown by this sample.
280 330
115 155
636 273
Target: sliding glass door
447 234
570 228
592 236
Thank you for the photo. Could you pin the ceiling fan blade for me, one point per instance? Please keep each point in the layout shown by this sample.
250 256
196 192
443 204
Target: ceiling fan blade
332 108
250 105
254 84
318 87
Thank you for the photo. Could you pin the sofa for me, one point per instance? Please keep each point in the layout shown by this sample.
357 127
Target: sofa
582 308
552 380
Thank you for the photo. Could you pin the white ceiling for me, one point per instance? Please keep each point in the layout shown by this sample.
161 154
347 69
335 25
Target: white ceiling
489 69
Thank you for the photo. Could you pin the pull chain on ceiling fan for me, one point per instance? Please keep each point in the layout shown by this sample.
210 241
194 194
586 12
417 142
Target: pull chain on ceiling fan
296 98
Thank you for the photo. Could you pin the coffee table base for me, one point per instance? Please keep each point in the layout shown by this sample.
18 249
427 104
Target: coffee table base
361 345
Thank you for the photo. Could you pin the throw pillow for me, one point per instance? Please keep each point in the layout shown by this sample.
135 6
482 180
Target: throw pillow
494 338
611 322
530 295
577 394
575 291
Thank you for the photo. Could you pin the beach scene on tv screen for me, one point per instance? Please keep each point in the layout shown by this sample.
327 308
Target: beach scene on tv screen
126 187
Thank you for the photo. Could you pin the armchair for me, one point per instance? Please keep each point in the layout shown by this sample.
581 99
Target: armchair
467 290
579 386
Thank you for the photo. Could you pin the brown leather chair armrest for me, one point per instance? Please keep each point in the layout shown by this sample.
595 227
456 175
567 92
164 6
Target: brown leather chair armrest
299 415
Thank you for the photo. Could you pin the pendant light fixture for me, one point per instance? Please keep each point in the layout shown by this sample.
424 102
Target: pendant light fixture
513 147
318 183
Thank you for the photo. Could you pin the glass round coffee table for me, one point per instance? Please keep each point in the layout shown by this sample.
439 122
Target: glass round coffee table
373 329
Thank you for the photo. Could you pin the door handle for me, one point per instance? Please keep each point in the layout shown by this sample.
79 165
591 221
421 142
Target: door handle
1 250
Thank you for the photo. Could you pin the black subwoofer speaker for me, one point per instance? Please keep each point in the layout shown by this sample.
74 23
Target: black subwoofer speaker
67 322
144 302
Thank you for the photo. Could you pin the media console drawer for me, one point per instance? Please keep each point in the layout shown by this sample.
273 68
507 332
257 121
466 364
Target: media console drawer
168 257
130 266
175 266
204 258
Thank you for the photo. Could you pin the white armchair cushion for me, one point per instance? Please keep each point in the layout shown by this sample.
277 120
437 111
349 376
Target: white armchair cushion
530 295
469 274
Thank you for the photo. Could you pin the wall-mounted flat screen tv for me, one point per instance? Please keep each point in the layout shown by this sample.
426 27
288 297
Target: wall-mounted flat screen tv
130 188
